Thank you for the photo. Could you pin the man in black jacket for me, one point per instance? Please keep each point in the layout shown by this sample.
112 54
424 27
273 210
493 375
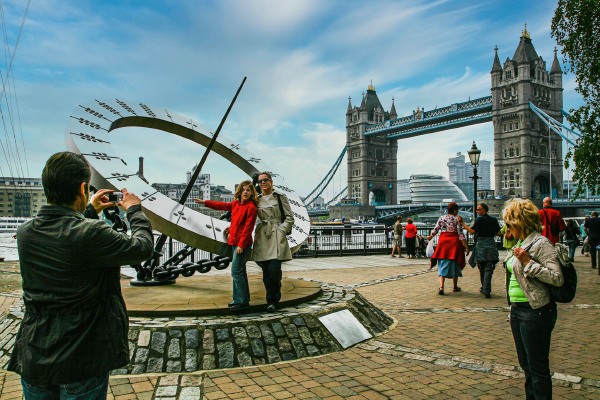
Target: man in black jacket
75 326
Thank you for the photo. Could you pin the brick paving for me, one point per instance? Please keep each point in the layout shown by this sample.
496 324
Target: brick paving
454 346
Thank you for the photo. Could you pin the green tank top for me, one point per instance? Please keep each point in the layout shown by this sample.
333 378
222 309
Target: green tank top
515 293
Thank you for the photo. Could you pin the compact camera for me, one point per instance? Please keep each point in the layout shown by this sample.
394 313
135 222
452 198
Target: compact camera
115 197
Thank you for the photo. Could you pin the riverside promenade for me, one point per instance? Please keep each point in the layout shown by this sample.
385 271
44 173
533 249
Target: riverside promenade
455 346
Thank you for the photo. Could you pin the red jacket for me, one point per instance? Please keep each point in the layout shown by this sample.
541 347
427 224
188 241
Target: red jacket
411 231
243 218
554 218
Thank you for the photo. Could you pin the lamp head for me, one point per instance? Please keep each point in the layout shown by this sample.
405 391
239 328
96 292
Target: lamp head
474 154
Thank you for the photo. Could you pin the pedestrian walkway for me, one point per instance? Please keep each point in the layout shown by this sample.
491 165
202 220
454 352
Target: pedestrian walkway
453 346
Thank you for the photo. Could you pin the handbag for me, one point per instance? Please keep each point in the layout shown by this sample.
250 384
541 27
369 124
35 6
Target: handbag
429 251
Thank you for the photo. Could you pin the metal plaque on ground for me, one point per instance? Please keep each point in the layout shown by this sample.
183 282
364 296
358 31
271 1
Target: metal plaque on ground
345 328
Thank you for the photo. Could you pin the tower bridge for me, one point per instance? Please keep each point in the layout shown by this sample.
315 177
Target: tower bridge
525 109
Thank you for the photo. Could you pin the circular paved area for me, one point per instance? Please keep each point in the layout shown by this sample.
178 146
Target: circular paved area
208 294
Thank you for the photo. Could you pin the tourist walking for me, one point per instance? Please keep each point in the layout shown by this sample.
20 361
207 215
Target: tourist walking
485 254
531 266
552 221
411 238
398 237
271 246
243 219
572 238
74 330
451 247
592 228
585 245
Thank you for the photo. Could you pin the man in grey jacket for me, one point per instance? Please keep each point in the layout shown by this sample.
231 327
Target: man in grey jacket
271 246
75 326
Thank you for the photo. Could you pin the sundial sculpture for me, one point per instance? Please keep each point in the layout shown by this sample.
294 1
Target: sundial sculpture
89 135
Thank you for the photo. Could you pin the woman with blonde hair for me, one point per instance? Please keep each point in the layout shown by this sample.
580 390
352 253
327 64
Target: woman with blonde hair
530 266
243 218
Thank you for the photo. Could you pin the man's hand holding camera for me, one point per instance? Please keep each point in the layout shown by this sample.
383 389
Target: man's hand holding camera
105 198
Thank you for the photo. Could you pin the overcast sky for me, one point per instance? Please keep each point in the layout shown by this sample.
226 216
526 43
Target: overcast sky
303 59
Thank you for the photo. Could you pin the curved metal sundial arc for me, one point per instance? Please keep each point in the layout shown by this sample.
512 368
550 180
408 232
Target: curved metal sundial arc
89 135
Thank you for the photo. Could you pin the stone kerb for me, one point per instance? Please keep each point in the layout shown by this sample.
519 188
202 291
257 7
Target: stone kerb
193 344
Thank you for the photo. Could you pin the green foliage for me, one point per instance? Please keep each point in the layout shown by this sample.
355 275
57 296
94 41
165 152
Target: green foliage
576 27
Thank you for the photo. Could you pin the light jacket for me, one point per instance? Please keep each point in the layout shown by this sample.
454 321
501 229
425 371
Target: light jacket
542 268
270 236
75 324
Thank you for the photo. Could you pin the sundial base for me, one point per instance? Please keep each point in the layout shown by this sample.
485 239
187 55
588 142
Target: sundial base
152 282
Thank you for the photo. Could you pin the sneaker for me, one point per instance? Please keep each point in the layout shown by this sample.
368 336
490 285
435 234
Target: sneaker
271 308
240 306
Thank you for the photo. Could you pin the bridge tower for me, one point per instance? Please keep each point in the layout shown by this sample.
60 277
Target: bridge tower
527 154
372 161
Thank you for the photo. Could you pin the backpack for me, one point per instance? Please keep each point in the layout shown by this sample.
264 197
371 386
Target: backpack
565 293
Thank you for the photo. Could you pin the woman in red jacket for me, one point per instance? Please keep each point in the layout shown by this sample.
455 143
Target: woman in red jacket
243 218
411 238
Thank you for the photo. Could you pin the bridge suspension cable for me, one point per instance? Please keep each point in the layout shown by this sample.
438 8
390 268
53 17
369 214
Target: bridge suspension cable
554 124
312 196
343 193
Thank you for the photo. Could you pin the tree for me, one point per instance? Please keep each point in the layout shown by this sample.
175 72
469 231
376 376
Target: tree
576 27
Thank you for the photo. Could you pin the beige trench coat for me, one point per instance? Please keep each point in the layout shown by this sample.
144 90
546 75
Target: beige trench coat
270 236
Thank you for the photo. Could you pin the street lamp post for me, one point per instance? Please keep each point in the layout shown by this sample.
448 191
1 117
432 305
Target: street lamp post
474 155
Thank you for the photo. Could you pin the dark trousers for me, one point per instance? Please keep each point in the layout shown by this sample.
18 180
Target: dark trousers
593 243
272 279
532 330
410 246
486 270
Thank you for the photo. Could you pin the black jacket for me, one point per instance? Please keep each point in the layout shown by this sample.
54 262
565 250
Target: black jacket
75 324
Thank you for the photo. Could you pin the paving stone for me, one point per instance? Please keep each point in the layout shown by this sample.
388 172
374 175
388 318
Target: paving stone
273 354
141 355
253 331
258 348
175 333
173 366
267 333
226 352
192 338
155 364
240 336
244 359
222 334
144 338
174 349
208 341
191 360
278 329
158 342
208 362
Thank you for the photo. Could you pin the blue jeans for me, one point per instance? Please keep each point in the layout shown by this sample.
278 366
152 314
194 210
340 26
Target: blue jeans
241 290
272 279
532 330
572 248
88 389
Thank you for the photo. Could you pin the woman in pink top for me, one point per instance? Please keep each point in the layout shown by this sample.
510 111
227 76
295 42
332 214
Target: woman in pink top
411 237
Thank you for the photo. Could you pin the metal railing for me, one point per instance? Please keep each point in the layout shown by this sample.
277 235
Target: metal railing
332 242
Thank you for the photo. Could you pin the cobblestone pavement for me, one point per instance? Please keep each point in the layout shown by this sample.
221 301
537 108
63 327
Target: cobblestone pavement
453 346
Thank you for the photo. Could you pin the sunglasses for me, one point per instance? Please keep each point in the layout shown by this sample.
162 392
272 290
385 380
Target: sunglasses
264 180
